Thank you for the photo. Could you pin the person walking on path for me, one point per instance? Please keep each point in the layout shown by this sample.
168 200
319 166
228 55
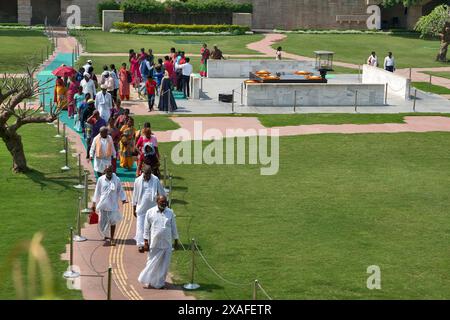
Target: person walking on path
373 59
127 145
115 77
146 189
150 87
278 54
389 63
125 79
204 60
102 151
167 101
186 69
88 85
217 54
160 229
108 193
103 103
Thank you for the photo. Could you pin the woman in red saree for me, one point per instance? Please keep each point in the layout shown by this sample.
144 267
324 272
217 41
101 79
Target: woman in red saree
124 84
204 60
169 67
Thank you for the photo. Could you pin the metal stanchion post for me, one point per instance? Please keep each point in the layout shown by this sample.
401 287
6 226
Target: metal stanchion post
359 73
66 167
415 97
80 175
192 285
43 103
58 132
108 297
201 84
385 93
78 237
430 78
70 274
232 101
356 101
170 191
165 175
242 94
255 290
64 150
295 101
86 193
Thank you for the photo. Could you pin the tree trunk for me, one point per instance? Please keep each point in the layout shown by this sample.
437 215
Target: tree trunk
445 39
14 145
442 56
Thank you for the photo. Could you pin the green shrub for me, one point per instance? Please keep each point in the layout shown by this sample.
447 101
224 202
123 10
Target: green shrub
136 28
106 5
197 6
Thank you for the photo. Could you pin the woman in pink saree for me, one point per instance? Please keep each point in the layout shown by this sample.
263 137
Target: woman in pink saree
73 89
134 69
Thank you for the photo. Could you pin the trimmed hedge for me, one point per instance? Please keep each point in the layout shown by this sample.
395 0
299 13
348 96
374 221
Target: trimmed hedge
197 6
217 28
106 5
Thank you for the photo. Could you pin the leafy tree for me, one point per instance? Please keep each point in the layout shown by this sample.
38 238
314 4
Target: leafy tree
437 24
14 91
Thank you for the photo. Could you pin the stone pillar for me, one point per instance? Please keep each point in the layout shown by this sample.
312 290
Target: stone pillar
242 19
414 14
111 16
24 12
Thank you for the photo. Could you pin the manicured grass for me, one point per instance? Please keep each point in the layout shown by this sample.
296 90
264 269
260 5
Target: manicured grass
442 74
343 70
357 48
282 120
103 42
158 122
427 87
339 204
43 200
20 49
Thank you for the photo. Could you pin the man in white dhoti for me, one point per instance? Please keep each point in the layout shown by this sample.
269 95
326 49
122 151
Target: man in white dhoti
108 193
159 231
146 189
103 103
102 151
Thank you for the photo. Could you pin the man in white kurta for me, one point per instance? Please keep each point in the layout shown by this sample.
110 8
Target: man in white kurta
146 189
102 151
88 85
159 231
103 103
108 193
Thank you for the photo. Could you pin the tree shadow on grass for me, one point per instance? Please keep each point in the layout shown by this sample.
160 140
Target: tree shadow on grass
45 181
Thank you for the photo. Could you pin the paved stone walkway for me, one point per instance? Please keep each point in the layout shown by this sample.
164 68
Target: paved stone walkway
92 257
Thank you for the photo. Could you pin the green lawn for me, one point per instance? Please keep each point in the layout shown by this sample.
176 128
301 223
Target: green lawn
343 70
339 204
442 74
158 122
43 200
282 120
104 42
427 87
20 49
357 48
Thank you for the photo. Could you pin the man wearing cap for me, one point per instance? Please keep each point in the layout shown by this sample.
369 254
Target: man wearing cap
109 82
87 65
103 103
88 85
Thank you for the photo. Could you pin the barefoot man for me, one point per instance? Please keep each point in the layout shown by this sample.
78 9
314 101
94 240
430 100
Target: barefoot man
159 231
106 198
146 189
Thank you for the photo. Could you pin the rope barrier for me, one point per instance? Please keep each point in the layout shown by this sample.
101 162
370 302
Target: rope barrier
264 291
217 274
